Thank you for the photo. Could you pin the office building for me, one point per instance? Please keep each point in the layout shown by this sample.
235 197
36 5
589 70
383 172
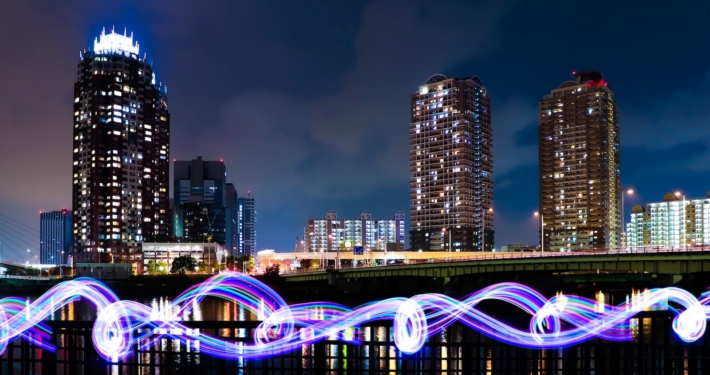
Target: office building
231 220
332 233
202 202
55 230
673 223
580 177
451 166
121 148
246 216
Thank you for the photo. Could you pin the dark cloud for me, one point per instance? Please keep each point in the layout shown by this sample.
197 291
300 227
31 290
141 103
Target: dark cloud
642 160
527 136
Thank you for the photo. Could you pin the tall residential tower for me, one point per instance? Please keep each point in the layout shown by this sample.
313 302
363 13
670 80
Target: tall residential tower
580 177
121 152
451 166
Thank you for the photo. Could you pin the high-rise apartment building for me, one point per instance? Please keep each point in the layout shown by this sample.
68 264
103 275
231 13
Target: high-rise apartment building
121 152
673 223
451 166
580 177
331 233
55 237
246 216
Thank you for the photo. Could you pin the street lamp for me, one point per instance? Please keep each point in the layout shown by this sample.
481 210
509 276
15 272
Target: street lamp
542 232
483 241
678 194
443 230
623 220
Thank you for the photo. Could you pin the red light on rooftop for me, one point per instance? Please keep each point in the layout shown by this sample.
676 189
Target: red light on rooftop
600 82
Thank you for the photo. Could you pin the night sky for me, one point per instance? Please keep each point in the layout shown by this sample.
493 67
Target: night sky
307 102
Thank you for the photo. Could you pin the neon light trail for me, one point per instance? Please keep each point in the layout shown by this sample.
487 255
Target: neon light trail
556 322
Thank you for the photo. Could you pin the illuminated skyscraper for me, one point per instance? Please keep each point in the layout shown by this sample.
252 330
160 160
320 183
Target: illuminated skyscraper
451 166
246 221
121 152
55 237
580 177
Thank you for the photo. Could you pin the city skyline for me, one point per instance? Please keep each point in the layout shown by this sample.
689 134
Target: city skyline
290 151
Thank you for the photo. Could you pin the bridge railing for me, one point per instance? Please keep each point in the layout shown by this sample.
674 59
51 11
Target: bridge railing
17 277
513 255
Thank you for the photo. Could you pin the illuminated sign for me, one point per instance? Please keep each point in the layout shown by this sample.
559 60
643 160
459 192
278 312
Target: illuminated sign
121 323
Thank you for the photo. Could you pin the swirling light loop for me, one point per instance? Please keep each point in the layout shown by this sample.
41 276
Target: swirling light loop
556 322
410 327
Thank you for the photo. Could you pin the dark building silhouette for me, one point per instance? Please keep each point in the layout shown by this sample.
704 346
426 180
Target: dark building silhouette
199 199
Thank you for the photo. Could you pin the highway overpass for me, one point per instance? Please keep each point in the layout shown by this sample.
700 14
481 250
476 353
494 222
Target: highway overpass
676 262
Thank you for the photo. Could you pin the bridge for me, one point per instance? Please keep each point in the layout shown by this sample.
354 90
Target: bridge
669 263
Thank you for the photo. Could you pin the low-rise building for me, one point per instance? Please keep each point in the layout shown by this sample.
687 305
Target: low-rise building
673 223
211 253
331 233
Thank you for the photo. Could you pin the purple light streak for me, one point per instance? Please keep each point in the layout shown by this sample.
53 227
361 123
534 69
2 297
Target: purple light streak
122 324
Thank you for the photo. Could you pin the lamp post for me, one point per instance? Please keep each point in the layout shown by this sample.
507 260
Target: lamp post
443 230
623 220
483 237
542 232
682 210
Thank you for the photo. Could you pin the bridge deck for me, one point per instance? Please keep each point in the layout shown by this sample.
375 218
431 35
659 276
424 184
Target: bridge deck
668 263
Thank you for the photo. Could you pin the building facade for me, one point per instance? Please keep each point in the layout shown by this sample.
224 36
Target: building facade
211 254
231 220
121 149
246 218
331 233
55 237
673 223
201 197
580 175
451 166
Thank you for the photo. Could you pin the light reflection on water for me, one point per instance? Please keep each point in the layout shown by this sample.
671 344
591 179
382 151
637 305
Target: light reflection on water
210 309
